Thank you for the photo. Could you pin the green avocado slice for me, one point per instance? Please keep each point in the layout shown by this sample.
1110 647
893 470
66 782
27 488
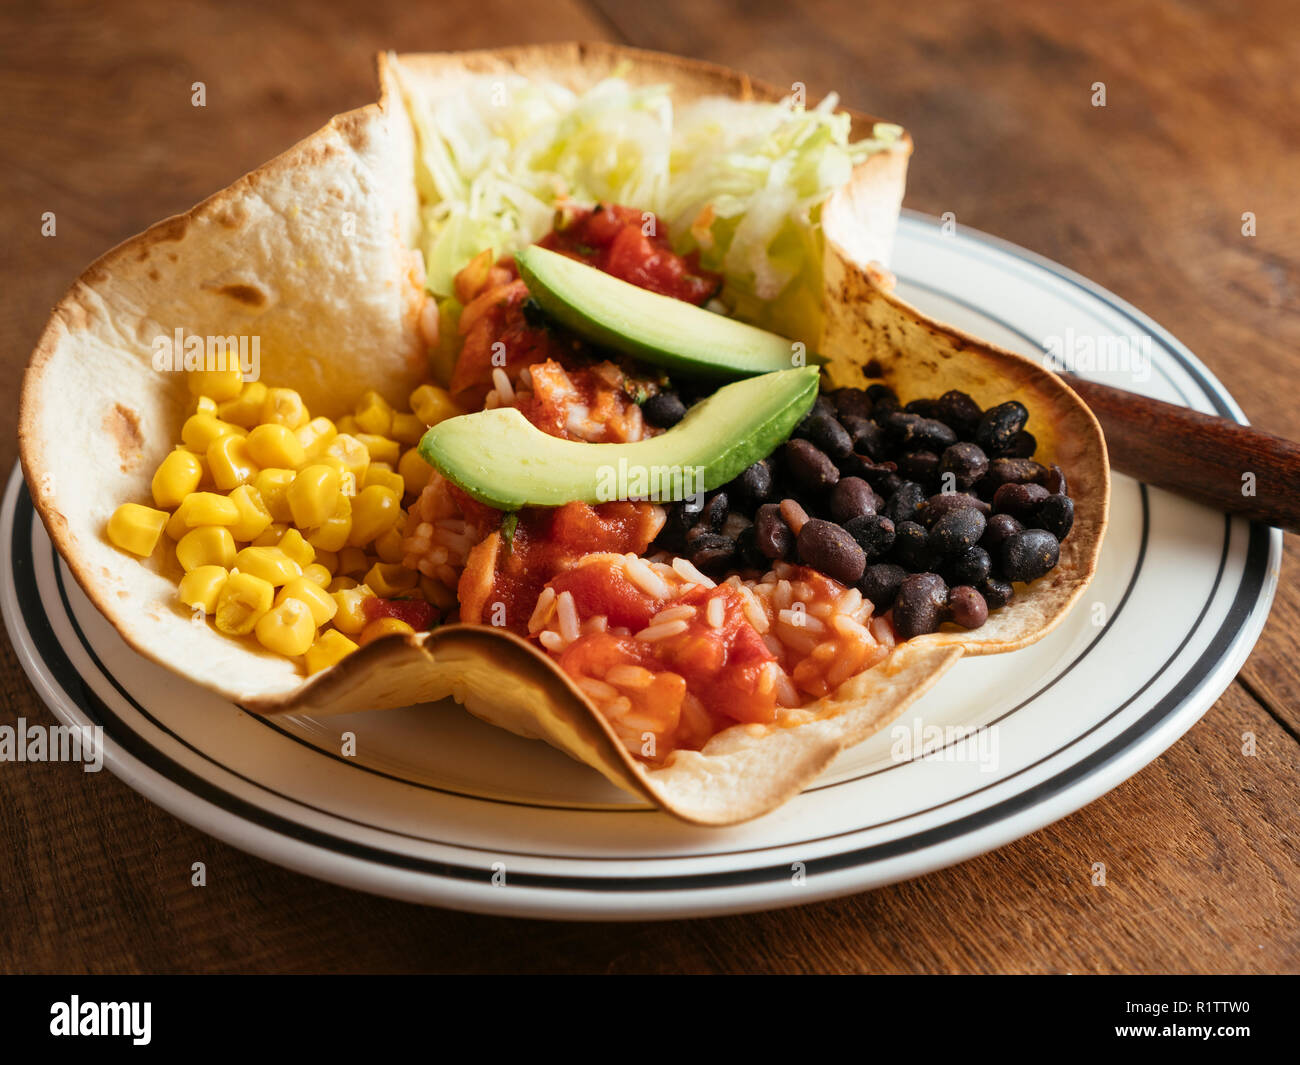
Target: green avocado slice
501 459
657 329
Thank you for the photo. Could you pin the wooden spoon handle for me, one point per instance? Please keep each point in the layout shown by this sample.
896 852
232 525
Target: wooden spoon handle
1215 461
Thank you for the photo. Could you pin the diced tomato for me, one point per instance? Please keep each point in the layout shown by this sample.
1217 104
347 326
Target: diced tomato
417 613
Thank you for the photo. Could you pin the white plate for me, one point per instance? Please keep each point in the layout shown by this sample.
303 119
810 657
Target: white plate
437 807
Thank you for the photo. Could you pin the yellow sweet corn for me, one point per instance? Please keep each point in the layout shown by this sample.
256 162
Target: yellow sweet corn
382 474
319 601
219 385
273 485
271 535
201 429
333 534
177 476
342 584
351 454
241 603
136 528
206 405
387 580
382 627
374 512
328 559
352 560
380 449
254 518
313 496
389 546
297 548
231 462
317 574
437 593
328 651
348 424
432 404
208 545
315 437
269 563
351 616
274 445
202 586
284 406
415 471
202 508
286 629
247 408
406 428
373 414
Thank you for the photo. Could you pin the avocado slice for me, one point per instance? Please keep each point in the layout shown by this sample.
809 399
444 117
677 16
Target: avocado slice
501 459
657 329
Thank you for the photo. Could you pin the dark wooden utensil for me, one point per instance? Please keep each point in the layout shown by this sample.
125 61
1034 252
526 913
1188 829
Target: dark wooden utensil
1212 460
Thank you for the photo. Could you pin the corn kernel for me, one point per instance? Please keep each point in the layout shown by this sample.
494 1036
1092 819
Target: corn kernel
328 559
333 534
383 627
136 528
208 545
219 384
432 404
297 548
389 546
348 424
318 600
243 600
207 405
318 575
276 446
200 430
177 476
315 437
351 617
284 406
271 535
286 629
269 563
415 471
342 584
254 518
373 414
352 560
202 586
313 496
231 462
328 651
374 512
273 486
437 593
380 449
387 580
382 474
202 508
246 409
353 455
407 429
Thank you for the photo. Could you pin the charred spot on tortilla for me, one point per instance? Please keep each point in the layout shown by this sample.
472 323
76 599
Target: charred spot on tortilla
123 427
247 294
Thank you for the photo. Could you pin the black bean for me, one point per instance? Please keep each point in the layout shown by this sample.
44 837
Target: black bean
1016 471
999 425
712 553
956 531
822 406
851 402
905 503
966 462
1022 446
882 476
747 550
1056 515
664 410
735 524
1021 501
852 498
879 584
883 395
1027 555
1054 482
715 511
868 438
911 546
809 466
827 548
772 534
753 486
959 412
911 432
874 534
919 465
828 434
972 566
676 525
997 529
967 607
997 593
924 407
920 604
939 505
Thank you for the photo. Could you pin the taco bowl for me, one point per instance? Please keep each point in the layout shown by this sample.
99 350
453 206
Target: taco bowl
328 280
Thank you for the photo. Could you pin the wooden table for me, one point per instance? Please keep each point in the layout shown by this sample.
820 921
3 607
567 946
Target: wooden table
1146 195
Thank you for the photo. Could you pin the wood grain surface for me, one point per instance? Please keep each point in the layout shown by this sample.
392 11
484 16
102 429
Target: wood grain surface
1145 196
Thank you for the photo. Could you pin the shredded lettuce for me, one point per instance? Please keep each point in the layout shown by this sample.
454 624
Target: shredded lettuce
740 182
